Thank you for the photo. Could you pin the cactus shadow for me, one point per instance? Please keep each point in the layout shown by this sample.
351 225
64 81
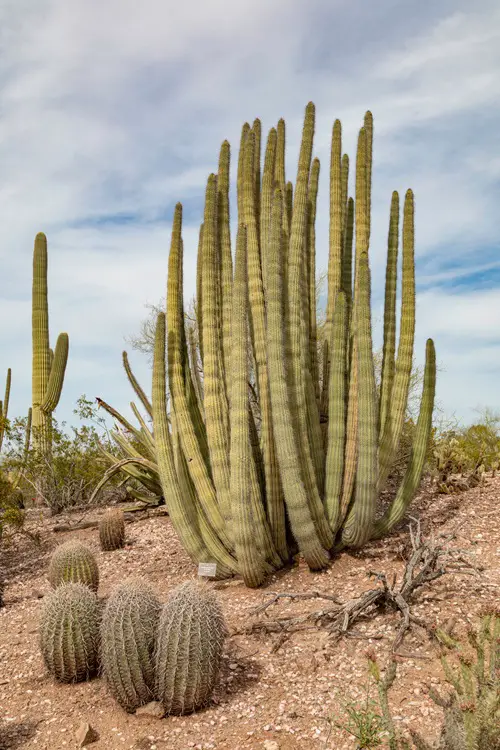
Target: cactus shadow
239 672
16 734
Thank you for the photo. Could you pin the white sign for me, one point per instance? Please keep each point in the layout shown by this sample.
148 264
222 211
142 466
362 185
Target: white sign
208 570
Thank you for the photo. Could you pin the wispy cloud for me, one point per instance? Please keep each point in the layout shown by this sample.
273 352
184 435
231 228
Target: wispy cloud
112 112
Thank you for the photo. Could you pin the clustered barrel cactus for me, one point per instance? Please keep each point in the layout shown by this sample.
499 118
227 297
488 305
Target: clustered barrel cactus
285 439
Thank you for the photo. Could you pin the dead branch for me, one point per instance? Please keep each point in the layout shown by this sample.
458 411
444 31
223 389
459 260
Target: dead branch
429 560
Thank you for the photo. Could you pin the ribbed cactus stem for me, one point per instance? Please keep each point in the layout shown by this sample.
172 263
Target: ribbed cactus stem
389 348
399 398
136 385
4 406
183 515
183 413
295 340
294 490
274 501
224 238
359 522
215 399
416 463
56 377
41 356
337 414
249 558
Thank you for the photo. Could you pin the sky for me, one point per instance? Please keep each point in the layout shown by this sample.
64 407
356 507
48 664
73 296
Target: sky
111 112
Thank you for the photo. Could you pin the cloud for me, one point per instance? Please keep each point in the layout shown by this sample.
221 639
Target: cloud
113 112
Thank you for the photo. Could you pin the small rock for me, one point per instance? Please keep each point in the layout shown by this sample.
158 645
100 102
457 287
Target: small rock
271 745
153 710
86 734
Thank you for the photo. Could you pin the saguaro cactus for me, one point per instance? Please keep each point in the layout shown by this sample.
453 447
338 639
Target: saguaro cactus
4 407
269 451
48 367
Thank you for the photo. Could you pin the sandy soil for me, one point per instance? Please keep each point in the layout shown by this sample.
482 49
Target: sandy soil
288 697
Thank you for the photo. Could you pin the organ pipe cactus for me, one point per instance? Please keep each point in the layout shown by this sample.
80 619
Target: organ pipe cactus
266 449
49 366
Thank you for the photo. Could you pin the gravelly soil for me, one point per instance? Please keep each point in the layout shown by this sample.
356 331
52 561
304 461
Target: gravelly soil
286 697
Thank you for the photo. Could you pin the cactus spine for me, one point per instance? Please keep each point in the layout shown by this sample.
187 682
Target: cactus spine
270 448
128 636
73 562
69 633
190 639
112 530
48 367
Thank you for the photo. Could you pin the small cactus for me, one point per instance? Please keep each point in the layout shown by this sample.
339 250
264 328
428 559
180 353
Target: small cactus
112 530
128 632
189 646
69 633
73 562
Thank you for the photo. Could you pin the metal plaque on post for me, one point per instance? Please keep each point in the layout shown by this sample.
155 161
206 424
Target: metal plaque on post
207 570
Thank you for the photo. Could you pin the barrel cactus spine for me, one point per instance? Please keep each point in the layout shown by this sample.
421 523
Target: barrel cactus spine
190 641
112 529
69 633
73 562
128 636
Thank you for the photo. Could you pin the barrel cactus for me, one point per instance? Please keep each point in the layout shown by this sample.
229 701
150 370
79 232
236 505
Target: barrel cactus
112 530
69 633
73 562
190 640
128 632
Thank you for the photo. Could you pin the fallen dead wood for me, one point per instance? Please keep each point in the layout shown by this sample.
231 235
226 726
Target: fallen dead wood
128 515
428 561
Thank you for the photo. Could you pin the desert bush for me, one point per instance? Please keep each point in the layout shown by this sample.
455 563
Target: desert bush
76 463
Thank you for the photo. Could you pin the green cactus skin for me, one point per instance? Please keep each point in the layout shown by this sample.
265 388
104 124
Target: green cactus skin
69 633
190 641
337 406
389 348
73 562
288 456
226 260
183 514
359 521
4 406
112 530
416 463
215 398
128 638
136 385
274 502
316 446
184 415
296 351
399 397
249 558
48 368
